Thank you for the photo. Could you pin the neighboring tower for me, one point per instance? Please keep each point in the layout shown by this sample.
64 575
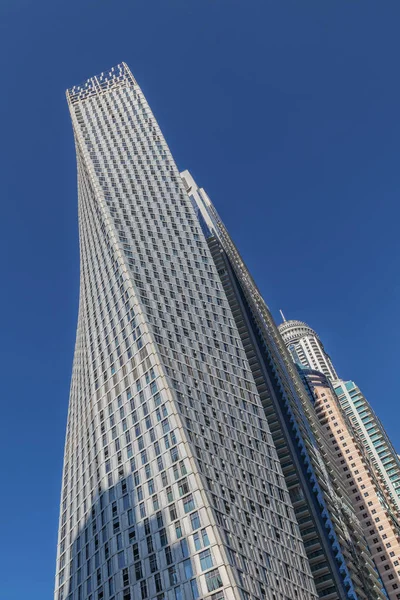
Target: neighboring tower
172 488
372 434
370 496
306 348
308 352
339 557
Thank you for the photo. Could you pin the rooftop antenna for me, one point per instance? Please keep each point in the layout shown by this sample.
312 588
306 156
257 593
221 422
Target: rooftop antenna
283 316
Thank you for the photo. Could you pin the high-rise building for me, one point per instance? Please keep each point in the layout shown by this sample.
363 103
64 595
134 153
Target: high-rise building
338 554
306 348
369 494
172 488
372 435
308 352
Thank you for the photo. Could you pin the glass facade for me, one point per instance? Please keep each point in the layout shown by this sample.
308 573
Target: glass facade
368 493
372 435
338 554
172 487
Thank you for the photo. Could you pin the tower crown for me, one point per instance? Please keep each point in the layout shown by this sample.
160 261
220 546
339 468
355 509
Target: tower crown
294 330
104 82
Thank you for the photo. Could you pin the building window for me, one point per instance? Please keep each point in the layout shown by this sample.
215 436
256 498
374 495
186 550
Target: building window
206 541
178 593
158 582
172 576
188 503
184 548
143 589
195 590
206 561
195 520
183 487
213 580
178 530
217 596
153 563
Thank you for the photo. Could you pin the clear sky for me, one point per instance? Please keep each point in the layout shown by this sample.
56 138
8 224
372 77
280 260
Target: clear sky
287 112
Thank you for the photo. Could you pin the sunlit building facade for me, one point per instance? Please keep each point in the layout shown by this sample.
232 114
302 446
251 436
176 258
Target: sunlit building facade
339 557
308 352
172 487
370 496
372 435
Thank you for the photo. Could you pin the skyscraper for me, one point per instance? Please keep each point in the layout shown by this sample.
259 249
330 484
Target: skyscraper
371 434
172 487
308 351
306 348
369 493
339 557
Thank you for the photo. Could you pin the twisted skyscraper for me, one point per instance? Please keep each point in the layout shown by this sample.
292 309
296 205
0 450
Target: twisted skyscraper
172 487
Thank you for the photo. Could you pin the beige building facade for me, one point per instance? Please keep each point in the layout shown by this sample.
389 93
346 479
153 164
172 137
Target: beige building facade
368 493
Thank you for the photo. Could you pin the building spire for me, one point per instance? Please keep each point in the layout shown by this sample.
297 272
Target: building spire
283 316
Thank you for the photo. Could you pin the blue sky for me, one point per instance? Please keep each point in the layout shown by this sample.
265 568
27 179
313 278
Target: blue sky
287 112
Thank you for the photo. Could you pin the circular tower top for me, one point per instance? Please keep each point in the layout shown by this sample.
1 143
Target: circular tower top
291 331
